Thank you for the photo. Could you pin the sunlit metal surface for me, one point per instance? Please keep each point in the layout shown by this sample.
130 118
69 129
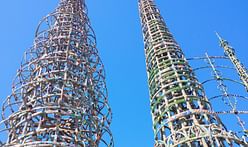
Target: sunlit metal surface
182 114
59 95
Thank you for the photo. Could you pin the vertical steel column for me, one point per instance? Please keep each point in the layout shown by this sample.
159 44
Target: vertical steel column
59 96
180 109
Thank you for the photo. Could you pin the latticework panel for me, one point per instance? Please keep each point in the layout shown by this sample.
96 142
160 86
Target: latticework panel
59 96
230 52
225 91
182 114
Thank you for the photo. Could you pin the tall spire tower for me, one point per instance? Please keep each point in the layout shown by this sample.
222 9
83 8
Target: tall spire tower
182 114
230 52
59 96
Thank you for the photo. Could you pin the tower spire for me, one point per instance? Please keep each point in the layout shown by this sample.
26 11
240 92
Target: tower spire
59 96
182 114
230 52
218 36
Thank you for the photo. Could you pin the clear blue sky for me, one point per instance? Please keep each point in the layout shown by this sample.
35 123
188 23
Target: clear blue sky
120 43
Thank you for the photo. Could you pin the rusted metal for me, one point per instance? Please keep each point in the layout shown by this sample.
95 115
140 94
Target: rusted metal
59 96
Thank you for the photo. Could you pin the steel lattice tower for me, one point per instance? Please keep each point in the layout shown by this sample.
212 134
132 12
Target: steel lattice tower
182 114
59 96
230 52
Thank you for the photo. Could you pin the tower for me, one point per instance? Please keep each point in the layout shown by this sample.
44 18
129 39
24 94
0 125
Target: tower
182 114
59 96
230 52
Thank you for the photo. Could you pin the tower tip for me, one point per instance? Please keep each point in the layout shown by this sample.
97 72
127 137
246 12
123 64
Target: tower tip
218 35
